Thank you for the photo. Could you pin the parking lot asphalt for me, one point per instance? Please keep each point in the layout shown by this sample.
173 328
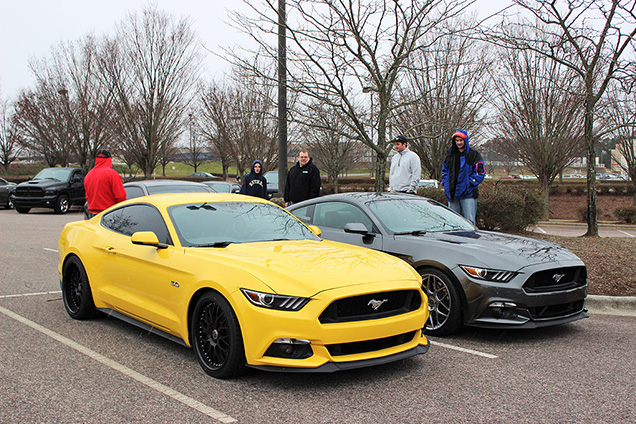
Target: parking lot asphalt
55 369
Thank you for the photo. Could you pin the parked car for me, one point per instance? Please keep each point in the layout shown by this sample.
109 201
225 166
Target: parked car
7 189
244 283
148 187
136 189
428 184
223 186
272 183
56 188
201 175
473 277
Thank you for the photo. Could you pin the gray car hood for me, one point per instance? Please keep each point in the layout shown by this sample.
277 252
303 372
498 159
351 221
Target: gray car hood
493 250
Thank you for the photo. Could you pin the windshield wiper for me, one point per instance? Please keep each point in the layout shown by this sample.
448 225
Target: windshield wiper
215 244
410 233
203 206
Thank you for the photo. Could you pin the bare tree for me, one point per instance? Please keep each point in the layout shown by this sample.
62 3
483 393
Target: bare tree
194 148
332 153
337 47
588 36
447 90
215 116
152 67
10 137
621 117
539 114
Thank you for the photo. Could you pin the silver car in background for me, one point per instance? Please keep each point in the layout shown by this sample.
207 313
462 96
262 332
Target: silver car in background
472 277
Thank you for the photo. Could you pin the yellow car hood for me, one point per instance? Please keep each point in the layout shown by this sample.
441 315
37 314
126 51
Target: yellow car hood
305 267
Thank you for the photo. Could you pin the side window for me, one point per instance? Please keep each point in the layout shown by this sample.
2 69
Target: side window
133 191
339 214
304 214
130 219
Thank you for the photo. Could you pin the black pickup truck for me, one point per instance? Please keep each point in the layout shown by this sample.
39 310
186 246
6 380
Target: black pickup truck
56 188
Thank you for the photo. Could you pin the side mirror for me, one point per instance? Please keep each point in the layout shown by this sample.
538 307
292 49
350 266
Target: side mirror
356 228
147 238
315 230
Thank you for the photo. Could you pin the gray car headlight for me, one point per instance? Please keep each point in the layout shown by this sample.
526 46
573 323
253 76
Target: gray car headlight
495 275
275 301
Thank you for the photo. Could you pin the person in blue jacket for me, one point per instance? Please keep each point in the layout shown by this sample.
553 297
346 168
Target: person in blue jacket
254 183
462 172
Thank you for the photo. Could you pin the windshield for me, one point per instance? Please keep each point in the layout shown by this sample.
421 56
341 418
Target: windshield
417 215
221 223
57 174
194 188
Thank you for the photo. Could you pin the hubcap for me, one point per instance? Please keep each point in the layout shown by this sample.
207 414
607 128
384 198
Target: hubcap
439 301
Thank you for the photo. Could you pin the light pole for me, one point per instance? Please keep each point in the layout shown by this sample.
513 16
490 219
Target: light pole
282 97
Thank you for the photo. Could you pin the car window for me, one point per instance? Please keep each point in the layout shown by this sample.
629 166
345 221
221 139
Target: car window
305 214
417 214
130 219
339 214
235 222
133 191
189 188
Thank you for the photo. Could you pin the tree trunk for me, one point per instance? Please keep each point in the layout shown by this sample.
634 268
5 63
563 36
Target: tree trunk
592 222
545 191
380 168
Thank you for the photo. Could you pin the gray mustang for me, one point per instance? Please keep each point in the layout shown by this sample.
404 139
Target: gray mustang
472 277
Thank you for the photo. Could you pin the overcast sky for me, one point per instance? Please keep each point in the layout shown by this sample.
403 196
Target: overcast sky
30 28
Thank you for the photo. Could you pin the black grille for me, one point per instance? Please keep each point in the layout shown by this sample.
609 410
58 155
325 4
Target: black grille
361 308
556 279
29 192
369 345
554 311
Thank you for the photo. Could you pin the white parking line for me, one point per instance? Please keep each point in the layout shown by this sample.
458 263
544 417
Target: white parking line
50 250
6 296
192 403
627 234
540 229
461 349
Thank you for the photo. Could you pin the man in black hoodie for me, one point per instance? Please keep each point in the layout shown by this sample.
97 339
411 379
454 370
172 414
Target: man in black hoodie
303 180
254 183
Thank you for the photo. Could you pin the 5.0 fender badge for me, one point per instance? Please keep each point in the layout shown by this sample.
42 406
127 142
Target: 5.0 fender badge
175 283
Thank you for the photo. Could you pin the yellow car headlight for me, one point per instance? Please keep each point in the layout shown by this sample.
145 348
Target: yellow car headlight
275 301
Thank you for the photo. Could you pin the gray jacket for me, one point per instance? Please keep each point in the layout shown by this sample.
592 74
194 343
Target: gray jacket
405 171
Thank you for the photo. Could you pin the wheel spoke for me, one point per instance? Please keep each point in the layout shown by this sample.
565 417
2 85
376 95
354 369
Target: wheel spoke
439 300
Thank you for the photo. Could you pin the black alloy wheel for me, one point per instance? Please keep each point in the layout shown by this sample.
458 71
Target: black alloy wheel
62 204
76 291
444 304
216 337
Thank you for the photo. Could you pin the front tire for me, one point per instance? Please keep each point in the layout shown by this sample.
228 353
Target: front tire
216 337
76 291
62 204
22 210
444 303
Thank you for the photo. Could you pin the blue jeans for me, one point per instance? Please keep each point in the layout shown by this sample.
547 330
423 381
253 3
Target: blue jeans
465 207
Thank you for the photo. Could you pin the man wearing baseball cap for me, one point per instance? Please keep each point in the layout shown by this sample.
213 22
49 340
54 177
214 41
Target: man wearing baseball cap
103 185
462 172
406 170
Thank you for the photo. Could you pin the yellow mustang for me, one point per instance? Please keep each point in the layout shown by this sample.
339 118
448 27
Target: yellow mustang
242 282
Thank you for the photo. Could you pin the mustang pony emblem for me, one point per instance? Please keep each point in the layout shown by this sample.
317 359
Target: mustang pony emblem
375 304
557 277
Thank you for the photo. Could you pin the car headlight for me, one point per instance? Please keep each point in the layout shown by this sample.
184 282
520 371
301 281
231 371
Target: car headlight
498 276
275 301
49 191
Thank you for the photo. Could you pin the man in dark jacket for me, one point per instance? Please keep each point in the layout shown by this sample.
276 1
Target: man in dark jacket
462 172
254 183
103 185
303 180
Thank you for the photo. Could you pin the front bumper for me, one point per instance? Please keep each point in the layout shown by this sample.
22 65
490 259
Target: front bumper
262 327
35 202
508 305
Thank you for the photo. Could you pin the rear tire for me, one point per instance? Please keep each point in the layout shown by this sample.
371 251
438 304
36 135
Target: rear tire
216 337
76 291
444 303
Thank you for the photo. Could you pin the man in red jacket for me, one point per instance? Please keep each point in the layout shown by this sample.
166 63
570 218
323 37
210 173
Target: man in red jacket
103 185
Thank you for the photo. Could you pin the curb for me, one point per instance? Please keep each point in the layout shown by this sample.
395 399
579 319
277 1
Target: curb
611 305
583 224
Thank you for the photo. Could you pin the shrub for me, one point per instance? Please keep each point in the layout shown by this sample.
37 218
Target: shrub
627 214
436 194
582 213
507 209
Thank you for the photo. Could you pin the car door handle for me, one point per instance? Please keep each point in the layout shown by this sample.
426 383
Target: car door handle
111 249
